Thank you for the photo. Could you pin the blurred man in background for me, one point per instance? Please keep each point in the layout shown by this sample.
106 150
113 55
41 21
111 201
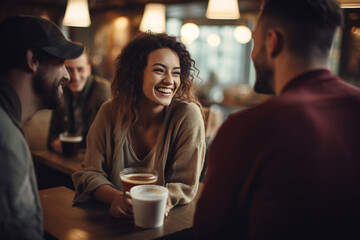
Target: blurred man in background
83 96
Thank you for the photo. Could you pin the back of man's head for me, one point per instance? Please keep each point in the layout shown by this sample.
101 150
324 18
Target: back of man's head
308 24
19 33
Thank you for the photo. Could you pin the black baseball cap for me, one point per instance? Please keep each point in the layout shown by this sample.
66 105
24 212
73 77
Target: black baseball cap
36 32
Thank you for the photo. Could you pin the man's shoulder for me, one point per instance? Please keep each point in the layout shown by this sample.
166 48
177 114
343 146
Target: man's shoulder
259 110
10 135
297 104
101 82
315 86
6 124
100 89
265 116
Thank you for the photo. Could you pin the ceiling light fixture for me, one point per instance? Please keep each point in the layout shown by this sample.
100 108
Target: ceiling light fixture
77 14
153 18
223 9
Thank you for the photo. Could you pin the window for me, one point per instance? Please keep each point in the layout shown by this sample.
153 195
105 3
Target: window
222 60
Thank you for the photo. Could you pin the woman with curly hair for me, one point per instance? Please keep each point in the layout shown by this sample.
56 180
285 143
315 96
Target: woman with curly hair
153 120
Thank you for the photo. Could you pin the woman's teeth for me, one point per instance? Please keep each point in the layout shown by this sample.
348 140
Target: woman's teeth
164 90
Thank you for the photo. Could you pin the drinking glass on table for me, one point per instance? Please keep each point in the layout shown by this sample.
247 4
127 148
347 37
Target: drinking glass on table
70 144
131 177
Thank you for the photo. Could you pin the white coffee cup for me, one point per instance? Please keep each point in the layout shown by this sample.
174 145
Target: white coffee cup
149 203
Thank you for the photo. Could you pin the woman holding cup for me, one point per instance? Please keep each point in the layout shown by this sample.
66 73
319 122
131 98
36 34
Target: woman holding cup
153 120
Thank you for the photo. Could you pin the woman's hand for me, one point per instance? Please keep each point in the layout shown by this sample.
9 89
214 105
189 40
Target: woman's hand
121 207
120 203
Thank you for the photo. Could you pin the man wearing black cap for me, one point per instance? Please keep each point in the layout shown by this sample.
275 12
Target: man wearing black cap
32 73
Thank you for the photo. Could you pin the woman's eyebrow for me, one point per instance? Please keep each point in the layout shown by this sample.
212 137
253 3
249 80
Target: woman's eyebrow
162 65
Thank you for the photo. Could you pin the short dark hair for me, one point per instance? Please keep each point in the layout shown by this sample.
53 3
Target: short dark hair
308 24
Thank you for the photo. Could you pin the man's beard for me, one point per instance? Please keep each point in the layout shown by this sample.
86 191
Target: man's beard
264 81
264 75
47 91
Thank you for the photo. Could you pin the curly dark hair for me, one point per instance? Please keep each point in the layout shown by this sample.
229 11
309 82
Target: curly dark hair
126 86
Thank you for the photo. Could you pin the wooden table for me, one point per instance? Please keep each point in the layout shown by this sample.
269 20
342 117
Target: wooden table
62 220
53 169
59 162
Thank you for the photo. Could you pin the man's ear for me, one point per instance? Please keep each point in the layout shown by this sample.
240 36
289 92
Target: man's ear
89 68
31 63
275 42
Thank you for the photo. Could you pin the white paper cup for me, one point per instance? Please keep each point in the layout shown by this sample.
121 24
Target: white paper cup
149 203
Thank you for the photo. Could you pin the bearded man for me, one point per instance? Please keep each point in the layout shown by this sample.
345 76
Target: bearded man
32 73
288 168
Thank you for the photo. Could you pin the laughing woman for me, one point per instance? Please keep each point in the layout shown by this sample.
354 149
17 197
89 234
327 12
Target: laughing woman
153 120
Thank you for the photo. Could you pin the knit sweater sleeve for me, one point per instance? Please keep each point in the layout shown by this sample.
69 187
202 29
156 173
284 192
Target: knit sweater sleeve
94 171
186 153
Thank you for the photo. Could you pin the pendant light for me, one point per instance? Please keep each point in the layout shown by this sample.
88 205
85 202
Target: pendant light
153 18
77 14
223 9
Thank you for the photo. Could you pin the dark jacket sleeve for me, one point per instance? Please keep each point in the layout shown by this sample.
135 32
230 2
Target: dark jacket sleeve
56 126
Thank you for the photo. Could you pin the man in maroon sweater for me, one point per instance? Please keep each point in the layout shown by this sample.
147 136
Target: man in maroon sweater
288 168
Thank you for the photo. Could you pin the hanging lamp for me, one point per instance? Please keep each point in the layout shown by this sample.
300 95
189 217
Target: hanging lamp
153 18
223 9
77 14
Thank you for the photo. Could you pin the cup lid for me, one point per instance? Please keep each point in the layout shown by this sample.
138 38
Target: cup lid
148 192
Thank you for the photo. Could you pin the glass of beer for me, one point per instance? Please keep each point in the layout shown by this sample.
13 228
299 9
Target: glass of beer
131 177
70 144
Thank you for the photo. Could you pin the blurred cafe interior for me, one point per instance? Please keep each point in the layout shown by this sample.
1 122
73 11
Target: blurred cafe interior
220 44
